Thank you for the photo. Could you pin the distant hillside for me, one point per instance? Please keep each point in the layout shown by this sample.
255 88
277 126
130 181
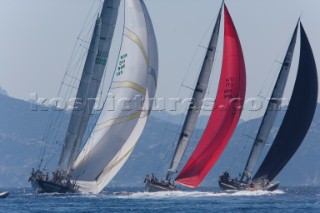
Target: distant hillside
156 147
21 132
3 92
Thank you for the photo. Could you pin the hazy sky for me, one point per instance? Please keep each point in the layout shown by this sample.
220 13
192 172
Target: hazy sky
37 38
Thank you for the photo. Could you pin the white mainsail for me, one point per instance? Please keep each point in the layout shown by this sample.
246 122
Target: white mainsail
117 132
90 82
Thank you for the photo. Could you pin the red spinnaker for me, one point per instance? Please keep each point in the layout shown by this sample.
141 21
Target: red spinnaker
226 113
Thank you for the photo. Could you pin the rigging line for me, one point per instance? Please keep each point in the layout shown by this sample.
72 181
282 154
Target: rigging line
76 71
71 86
58 122
167 120
87 151
240 152
47 136
182 84
74 77
42 152
88 33
49 125
281 53
195 80
190 66
73 54
236 158
199 46
67 97
186 86
78 65
84 41
197 49
210 85
200 130
253 125
168 116
49 146
84 47
268 92
162 144
94 118
86 22
52 114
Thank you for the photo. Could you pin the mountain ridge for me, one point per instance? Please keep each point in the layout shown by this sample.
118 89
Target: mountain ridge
22 130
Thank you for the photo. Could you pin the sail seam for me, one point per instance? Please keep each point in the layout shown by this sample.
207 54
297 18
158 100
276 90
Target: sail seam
132 85
134 37
109 168
117 121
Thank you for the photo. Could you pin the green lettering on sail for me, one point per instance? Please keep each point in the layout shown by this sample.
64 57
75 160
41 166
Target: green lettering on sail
121 65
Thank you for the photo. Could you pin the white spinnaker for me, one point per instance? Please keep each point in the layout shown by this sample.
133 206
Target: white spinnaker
117 132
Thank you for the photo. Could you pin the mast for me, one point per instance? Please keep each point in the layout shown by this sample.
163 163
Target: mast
117 132
197 100
82 95
90 82
298 117
226 112
271 111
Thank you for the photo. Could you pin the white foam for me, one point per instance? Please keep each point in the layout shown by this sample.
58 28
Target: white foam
195 194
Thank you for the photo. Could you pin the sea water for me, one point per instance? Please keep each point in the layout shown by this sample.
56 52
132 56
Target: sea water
285 199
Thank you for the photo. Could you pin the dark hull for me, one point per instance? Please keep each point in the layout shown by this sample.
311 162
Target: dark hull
240 186
158 186
4 194
42 186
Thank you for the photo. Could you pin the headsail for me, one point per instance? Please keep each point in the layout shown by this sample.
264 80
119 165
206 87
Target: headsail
90 82
272 110
117 132
299 114
197 100
227 110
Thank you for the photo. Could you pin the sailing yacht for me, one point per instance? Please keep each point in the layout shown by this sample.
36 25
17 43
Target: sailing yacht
230 95
294 126
116 132
4 194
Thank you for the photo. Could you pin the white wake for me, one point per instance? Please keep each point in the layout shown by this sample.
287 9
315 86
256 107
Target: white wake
195 194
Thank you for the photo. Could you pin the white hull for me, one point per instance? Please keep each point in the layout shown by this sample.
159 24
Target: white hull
4 194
